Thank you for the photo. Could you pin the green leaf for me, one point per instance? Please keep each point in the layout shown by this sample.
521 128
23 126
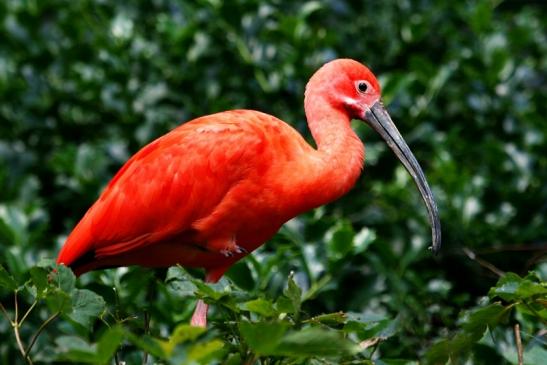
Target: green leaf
149 344
14 224
109 343
512 287
271 338
261 306
263 337
233 359
211 291
186 332
340 239
316 287
75 349
309 8
293 293
315 341
474 325
534 355
182 333
15 263
64 278
204 352
284 305
179 282
476 321
59 301
535 309
6 233
46 263
6 280
40 279
382 329
86 305
363 239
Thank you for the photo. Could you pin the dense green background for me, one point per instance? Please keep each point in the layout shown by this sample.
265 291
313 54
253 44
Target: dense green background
85 84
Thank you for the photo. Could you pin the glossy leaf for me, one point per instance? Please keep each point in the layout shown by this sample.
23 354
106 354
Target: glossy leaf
263 337
294 294
261 306
315 342
59 301
86 306
512 287
6 280
40 279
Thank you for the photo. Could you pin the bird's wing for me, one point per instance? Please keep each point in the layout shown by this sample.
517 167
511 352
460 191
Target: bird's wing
170 184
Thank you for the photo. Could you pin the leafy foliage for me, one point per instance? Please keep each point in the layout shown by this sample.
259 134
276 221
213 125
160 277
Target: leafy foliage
84 84
526 296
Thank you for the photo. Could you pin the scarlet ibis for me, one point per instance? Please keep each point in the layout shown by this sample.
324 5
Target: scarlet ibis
214 189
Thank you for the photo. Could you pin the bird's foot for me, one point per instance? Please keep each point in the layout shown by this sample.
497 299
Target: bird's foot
227 248
229 252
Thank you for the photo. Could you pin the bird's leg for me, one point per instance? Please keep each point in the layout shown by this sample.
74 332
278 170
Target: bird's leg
227 247
199 318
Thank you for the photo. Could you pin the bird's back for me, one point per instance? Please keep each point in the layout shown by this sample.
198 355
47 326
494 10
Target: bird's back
206 177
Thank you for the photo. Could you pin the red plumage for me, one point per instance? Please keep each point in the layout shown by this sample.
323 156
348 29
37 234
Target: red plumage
215 188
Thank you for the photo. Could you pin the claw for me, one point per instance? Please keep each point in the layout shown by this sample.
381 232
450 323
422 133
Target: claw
227 253
240 249
237 250
225 247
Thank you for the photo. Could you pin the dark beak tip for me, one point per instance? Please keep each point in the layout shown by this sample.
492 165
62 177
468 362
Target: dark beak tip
436 241
435 248
378 118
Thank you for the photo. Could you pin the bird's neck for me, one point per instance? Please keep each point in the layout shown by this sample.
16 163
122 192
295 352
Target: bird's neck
340 152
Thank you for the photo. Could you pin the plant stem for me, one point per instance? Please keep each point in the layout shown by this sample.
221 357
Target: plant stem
15 324
40 329
519 344
473 256
5 312
28 312
20 343
16 307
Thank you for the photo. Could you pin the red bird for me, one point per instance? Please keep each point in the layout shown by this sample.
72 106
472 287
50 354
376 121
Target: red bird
216 188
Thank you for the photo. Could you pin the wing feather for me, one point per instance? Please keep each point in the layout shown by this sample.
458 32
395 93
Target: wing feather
169 184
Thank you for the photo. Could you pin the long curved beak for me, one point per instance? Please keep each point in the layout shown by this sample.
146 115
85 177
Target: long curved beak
378 118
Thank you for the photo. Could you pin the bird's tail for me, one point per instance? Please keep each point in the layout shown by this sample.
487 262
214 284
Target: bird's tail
78 248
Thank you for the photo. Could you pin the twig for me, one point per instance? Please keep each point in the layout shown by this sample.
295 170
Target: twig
482 262
39 330
19 342
146 329
5 312
28 312
15 325
16 307
519 344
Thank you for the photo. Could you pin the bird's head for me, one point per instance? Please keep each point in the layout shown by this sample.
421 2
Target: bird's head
350 86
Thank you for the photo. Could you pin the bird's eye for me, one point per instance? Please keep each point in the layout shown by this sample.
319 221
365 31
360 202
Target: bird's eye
362 86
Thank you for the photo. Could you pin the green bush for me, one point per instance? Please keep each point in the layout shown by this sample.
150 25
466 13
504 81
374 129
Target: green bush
84 84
